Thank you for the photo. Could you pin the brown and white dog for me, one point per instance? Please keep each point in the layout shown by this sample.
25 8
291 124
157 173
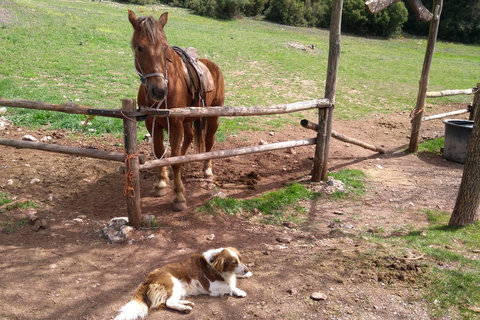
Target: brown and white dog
214 273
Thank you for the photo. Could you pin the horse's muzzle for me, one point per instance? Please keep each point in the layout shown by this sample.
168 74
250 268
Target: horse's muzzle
157 93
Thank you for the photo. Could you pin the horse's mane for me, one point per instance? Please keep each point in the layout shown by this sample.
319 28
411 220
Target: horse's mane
148 27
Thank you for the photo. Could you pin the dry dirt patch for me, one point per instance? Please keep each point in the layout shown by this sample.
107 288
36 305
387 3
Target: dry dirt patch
68 271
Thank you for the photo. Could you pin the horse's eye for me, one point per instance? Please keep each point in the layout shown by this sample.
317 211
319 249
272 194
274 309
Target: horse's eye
139 48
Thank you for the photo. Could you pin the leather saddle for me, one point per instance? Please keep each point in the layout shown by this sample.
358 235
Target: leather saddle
197 76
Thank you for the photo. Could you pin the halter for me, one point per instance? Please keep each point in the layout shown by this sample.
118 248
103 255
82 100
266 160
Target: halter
144 77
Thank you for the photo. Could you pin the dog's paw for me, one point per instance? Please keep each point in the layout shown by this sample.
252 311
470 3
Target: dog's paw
239 293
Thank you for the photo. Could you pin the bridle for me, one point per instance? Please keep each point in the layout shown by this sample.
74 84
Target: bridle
144 81
144 77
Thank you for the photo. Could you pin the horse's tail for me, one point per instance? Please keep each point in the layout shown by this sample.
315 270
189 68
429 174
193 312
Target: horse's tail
200 125
136 308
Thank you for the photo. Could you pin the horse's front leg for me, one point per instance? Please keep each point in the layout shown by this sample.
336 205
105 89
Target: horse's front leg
161 181
176 134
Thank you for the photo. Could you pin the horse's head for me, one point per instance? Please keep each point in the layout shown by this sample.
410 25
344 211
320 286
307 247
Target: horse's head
149 45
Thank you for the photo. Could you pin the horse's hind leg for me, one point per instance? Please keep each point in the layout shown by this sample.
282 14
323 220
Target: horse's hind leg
176 134
212 126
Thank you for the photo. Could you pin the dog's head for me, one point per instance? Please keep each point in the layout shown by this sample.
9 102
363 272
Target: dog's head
227 260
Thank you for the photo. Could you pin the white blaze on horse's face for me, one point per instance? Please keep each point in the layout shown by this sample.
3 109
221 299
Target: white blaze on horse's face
149 45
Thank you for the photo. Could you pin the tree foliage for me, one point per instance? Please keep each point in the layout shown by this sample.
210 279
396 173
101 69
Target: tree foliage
459 21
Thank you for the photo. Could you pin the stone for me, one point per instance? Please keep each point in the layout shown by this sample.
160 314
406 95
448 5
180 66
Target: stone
284 238
210 237
28 137
148 220
318 296
117 229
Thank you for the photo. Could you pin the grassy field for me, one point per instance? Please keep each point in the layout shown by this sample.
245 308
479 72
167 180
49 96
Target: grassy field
60 51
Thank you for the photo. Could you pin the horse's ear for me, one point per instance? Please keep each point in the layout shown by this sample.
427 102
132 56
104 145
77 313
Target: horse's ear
162 21
132 18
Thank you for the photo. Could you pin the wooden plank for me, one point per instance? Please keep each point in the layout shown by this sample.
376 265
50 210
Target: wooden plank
132 176
423 84
226 153
81 152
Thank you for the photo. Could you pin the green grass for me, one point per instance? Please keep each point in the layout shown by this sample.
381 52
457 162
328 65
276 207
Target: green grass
454 273
431 146
354 180
282 205
275 207
60 51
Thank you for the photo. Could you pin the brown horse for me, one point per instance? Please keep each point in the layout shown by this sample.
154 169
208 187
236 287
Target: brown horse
164 85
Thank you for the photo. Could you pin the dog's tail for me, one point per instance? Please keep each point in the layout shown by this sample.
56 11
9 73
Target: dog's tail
136 308
148 295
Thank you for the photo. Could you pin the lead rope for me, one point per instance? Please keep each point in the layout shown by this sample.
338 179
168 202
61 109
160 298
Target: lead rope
143 79
168 121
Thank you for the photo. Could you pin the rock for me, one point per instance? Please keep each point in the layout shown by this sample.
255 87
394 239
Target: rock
339 213
210 237
117 229
36 225
34 180
46 138
289 224
219 194
3 110
317 296
292 292
284 238
148 220
28 137
336 233
263 142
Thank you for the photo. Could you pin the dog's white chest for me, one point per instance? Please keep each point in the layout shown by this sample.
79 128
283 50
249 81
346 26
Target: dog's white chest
193 288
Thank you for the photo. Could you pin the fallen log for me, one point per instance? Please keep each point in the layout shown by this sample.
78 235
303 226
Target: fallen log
313 126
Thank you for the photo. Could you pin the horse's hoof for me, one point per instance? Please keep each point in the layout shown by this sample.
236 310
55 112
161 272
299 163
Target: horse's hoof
159 192
180 206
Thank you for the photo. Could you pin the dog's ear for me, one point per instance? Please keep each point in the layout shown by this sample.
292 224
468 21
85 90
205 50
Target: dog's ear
219 263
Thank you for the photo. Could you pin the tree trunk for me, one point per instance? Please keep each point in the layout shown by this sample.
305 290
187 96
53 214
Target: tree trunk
468 199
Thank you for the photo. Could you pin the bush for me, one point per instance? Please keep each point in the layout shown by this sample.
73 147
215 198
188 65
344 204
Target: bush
355 18
290 12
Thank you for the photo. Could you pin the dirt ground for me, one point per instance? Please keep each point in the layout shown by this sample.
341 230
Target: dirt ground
69 271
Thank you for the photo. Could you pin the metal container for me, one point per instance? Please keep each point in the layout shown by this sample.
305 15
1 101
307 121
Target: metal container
457 136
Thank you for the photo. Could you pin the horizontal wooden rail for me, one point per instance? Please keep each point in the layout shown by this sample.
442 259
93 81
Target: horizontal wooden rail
445 93
90 153
226 153
313 126
447 114
224 111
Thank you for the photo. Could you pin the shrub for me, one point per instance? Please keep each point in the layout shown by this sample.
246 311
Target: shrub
290 12
459 21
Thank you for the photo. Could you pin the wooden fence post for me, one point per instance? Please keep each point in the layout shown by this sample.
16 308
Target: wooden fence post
132 176
423 84
476 103
325 116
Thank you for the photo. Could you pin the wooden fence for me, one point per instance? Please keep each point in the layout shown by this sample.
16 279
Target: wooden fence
131 115
472 108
